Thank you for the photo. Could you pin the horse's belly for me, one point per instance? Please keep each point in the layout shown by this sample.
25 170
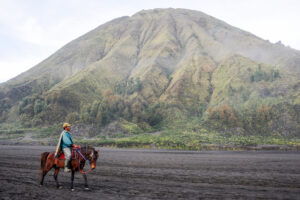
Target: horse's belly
60 163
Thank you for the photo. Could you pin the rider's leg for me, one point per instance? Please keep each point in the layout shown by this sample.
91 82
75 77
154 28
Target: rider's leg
67 152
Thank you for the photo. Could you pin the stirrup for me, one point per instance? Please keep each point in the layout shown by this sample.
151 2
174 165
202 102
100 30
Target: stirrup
67 170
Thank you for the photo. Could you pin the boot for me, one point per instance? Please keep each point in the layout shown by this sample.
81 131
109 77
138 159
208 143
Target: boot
66 169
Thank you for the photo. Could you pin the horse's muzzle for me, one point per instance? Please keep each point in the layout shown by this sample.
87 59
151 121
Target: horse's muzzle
93 166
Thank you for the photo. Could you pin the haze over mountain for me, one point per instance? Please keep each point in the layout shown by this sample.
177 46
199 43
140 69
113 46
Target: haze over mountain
159 67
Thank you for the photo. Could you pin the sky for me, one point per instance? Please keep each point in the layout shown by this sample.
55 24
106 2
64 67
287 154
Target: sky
32 30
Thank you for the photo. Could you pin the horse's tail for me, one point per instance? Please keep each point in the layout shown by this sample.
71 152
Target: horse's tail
44 157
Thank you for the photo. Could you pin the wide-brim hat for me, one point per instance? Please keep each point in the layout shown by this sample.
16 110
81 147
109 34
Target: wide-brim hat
66 125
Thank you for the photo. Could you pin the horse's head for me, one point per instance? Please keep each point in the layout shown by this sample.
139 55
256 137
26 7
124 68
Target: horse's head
92 156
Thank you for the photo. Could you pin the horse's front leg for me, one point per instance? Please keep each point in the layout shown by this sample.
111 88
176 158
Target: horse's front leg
55 177
86 187
72 179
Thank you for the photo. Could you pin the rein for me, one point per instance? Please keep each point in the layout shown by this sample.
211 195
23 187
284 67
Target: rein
81 170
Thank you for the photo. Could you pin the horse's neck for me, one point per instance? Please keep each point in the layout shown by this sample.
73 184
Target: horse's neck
85 152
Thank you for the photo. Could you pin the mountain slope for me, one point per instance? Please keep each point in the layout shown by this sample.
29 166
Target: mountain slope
152 68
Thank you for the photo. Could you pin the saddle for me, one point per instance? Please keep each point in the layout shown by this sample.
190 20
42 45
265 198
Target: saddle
74 155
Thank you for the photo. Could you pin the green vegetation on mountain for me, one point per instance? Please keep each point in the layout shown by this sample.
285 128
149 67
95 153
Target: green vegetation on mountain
178 71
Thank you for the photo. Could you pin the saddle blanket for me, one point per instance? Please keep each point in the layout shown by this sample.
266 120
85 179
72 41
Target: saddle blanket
74 155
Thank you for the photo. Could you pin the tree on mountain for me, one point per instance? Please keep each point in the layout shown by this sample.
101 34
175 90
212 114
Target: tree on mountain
263 114
136 109
72 117
38 106
223 115
99 117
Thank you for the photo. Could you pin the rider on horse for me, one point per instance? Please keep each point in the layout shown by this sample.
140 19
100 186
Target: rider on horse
65 144
51 160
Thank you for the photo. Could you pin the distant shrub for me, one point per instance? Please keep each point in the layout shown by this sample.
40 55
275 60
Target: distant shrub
260 75
72 117
38 106
222 115
127 87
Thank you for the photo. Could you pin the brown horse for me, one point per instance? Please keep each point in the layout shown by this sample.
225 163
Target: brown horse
49 161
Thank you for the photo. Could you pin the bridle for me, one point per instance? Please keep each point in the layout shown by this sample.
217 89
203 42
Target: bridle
90 159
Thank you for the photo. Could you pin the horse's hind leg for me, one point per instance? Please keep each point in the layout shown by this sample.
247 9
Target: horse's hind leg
44 166
47 168
55 177
44 173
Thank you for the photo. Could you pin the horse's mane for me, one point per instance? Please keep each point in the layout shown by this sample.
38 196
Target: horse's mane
85 149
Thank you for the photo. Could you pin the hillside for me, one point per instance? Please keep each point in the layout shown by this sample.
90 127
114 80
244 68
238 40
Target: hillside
157 69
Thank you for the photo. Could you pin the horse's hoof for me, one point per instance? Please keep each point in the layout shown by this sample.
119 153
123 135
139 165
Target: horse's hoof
86 188
41 185
72 190
59 187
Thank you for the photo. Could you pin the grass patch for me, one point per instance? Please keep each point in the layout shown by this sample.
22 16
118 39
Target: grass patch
11 136
15 131
201 140
45 132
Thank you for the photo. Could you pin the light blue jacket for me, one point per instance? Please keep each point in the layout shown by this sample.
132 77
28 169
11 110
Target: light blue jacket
66 140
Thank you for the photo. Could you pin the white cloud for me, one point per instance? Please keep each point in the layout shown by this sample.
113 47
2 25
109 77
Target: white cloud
10 69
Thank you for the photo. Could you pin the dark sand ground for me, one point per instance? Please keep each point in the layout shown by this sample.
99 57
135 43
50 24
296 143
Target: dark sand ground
156 174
